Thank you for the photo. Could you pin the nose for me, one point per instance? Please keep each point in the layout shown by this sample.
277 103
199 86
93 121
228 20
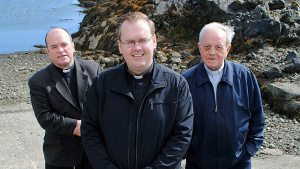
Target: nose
212 52
60 49
137 45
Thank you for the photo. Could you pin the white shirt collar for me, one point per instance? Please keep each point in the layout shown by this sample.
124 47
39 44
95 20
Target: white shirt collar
212 72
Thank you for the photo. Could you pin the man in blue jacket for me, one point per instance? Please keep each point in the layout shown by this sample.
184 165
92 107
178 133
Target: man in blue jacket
229 118
138 114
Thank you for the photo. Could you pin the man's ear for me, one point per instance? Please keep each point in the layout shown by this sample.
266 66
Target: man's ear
228 48
154 41
199 46
119 45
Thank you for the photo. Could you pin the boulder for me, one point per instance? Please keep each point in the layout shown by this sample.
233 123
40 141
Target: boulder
294 66
272 72
291 56
276 4
283 97
267 28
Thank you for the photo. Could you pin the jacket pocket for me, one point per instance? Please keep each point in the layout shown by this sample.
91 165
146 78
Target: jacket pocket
241 138
154 104
163 111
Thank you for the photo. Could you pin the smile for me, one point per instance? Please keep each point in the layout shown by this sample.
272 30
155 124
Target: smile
138 55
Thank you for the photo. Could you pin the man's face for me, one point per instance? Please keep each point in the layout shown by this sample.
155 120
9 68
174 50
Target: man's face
213 48
60 48
139 57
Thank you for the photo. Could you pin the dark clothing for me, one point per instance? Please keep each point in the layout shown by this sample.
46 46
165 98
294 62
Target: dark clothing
71 80
236 122
138 88
163 126
84 164
243 162
57 111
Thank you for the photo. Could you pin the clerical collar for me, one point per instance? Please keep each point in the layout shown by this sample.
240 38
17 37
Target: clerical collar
209 71
65 70
141 76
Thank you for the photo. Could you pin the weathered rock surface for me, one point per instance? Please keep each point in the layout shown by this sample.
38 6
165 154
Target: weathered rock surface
284 98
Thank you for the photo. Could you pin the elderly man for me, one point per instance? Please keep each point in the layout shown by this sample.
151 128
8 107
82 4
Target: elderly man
229 118
57 95
138 114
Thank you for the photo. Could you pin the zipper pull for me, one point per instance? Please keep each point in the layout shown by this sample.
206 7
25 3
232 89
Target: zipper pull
216 109
151 105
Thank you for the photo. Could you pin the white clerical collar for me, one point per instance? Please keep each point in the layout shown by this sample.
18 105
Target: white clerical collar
138 77
212 72
66 70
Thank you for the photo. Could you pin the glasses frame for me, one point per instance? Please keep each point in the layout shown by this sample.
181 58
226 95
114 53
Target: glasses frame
131 44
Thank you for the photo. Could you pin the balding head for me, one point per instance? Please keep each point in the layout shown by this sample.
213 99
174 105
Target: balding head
53 29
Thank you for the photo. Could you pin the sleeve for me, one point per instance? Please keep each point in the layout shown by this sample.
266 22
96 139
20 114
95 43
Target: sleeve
255 135
48 119
92 139
177 145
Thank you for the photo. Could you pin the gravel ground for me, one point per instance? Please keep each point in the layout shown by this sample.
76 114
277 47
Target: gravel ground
282 136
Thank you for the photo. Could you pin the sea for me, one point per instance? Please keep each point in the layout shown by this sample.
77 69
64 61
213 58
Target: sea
24 23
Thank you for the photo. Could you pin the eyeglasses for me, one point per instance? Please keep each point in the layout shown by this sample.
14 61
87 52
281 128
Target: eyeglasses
131 44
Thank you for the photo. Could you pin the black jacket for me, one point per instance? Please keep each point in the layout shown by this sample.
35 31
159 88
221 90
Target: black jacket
164 126
57 111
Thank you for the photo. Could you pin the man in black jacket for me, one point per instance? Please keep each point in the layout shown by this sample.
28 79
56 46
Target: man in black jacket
57 95
138 114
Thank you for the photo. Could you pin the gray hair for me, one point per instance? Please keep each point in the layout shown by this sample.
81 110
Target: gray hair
71 40
215 25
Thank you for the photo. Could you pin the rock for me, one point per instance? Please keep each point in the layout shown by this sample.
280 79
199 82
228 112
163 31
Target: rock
237 6
276 4
272 151
292 108
285 29
175 55
272 146
195 61
291 56
286 18
162 7
185 55
281 97
268 28
294 66
252 55
273 72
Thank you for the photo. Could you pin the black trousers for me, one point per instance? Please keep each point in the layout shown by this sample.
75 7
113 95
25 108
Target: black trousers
84 164
243 163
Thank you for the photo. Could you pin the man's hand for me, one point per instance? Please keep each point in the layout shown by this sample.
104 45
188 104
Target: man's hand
77 128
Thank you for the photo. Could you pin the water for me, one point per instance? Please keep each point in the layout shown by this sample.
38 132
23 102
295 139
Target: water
24 23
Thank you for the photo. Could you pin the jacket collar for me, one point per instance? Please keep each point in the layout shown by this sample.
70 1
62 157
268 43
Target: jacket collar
202 77
82 82
121 85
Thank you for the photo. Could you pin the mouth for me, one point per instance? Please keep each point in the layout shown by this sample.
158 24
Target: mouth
138 55
61 56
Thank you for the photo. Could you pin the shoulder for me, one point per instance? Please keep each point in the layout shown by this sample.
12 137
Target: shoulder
40 78
167 71
41 74
190 72
237 68
87 63
111 73
170 75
